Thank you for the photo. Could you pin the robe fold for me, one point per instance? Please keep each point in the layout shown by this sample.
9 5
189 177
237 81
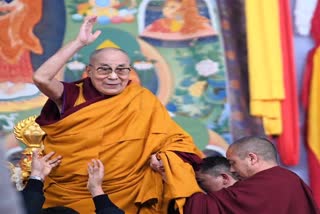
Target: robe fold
311 102
288 141
122 131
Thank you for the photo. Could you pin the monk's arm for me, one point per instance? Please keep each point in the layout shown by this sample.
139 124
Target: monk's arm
44 77
193 159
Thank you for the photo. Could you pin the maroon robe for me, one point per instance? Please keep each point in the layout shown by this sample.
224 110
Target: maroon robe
50 112
276 190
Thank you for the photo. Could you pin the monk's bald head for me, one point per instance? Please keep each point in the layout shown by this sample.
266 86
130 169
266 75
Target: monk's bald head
108 51
260 146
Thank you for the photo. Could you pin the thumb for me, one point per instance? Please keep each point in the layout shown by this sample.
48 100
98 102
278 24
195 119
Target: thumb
35 153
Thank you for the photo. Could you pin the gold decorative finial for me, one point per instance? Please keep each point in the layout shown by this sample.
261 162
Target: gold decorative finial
29 133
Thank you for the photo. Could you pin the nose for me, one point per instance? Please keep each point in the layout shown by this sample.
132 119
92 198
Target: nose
113 75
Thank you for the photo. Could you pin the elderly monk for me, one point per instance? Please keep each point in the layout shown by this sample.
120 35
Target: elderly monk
266 187
107 117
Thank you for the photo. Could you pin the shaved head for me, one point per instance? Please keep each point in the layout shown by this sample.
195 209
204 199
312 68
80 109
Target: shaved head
261 146
97 52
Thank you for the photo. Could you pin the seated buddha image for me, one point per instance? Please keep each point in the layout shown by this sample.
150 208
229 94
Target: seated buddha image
180 20
107 11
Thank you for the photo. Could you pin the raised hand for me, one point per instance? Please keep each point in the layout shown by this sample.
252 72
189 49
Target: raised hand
86 35
42 166
96 174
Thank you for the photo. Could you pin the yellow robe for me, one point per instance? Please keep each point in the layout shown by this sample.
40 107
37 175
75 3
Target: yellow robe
314 104
265 63
122 131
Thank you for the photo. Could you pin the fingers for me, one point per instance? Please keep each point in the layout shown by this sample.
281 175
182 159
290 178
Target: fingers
91 19
55 162
90 169
95 164
59 157
154 162
48 156
100 164
96 34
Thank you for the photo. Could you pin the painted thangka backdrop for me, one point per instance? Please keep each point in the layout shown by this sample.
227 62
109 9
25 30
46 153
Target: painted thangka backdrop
176 49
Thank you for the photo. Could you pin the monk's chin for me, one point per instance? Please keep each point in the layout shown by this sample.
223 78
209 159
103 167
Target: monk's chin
112 90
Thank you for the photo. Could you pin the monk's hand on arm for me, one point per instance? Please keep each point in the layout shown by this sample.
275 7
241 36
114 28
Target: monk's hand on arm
157 165
96 174
42 166
86 35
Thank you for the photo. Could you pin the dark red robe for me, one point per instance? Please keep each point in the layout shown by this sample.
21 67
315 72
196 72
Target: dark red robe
273 191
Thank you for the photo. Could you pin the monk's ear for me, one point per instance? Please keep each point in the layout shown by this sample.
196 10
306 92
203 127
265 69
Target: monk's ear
88 70
225 178
253 158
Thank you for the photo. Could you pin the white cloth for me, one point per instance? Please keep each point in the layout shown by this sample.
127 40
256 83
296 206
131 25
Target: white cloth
303 13
10 201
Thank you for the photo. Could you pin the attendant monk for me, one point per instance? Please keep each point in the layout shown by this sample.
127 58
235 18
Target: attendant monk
107 117
265 187
214 174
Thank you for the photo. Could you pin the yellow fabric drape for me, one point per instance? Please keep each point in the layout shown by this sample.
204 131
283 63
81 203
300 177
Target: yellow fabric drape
314 107
122 131
265 62
80 98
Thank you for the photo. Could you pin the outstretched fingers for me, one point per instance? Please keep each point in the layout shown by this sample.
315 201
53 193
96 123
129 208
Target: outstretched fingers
100 164
48 156
55 161
95 166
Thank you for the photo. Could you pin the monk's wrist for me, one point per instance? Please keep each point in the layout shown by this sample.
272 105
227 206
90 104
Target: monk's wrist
78 44
37 176
95 191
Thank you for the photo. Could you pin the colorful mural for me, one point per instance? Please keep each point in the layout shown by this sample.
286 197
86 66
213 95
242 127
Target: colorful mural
175 47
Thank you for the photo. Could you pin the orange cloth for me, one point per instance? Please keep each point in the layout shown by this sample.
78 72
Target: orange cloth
122 131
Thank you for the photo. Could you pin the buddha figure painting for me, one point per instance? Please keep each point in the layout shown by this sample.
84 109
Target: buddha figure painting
181 20
17 20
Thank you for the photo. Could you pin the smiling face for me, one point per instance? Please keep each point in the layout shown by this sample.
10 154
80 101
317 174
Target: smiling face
113 83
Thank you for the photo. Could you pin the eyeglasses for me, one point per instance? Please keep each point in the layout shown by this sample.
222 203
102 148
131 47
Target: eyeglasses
106 70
